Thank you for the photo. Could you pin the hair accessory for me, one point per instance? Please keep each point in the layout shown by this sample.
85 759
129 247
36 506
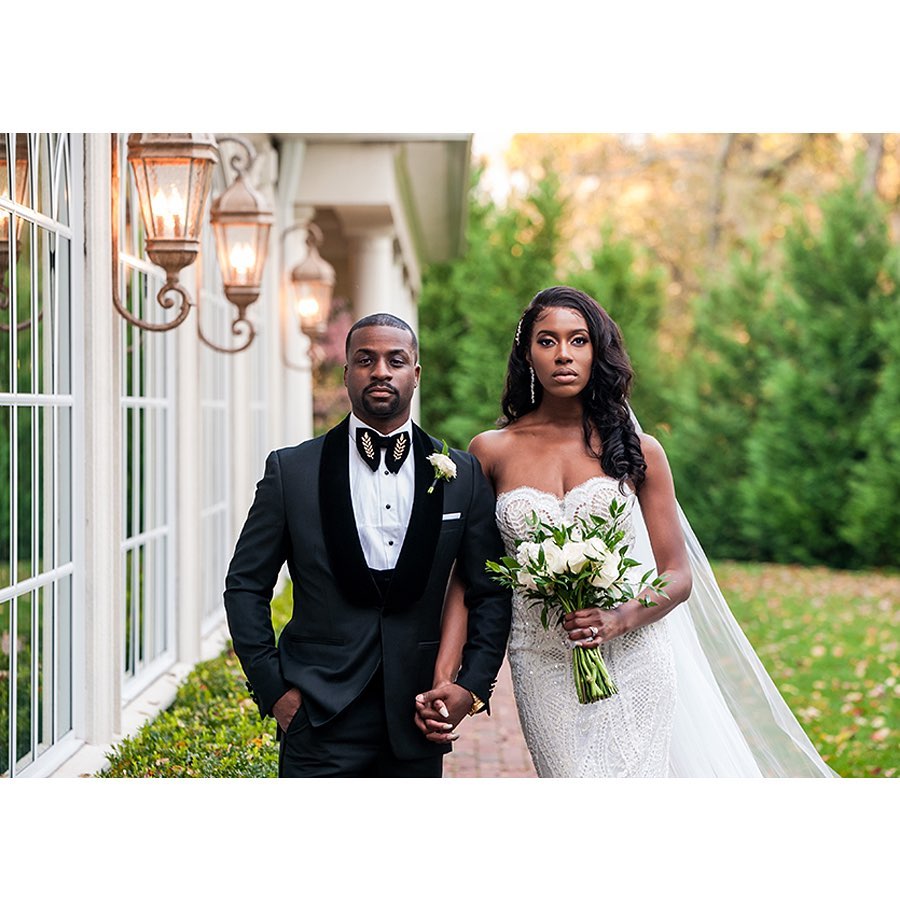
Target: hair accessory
519 330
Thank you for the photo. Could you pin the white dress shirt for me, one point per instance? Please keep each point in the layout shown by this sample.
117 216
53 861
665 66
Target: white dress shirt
382 501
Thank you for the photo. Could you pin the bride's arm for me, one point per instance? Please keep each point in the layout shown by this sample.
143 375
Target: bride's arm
454 627
660 511
454 624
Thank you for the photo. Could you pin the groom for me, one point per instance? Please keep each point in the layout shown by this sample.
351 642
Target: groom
369 533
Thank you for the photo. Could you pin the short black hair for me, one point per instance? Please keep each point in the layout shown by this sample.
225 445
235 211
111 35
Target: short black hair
385 319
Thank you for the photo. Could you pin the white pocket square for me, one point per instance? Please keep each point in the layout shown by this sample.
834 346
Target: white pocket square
452 516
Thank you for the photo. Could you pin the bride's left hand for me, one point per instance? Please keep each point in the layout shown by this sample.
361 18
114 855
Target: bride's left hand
591 627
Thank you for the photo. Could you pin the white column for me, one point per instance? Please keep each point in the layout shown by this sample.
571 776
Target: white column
295 412
404 307
372 280
102 526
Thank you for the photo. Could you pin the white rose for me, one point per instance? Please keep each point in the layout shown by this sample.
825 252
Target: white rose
554 557
595 549
443 465
607 570
574 555
527 553
526 580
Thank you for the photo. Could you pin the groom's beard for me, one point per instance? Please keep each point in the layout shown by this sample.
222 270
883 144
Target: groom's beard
381 407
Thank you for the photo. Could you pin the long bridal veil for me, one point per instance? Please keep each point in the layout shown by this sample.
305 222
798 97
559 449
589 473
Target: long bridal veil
730 719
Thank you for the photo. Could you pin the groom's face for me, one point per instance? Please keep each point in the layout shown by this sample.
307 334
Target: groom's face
381 374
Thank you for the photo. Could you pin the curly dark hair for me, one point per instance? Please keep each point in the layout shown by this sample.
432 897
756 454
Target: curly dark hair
604 400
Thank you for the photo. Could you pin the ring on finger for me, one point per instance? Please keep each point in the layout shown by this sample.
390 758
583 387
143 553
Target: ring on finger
594 631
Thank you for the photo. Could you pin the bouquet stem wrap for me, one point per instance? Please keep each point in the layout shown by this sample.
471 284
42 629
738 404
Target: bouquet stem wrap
592 679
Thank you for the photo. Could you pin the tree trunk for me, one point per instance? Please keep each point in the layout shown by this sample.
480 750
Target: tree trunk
874 154
717 200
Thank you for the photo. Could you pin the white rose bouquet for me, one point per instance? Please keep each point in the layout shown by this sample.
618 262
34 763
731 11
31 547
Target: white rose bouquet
574 567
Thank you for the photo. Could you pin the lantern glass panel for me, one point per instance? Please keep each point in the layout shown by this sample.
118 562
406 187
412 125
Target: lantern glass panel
312 303
172 194
242 249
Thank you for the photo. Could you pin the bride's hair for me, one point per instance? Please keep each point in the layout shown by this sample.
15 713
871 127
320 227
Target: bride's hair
604 400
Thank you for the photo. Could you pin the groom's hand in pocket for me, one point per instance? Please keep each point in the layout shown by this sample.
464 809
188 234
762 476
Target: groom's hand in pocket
286 707
440 710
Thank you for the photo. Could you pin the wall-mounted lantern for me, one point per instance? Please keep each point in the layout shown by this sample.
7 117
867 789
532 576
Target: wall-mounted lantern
172 173
310 288
241 220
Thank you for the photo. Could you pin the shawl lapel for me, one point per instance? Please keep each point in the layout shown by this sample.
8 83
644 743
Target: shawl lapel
345 553
417 553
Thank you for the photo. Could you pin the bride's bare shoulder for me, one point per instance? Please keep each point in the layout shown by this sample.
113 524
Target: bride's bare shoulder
654 455
489 444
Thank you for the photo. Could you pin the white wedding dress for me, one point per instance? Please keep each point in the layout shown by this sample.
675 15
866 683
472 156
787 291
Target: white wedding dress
694 699
626 735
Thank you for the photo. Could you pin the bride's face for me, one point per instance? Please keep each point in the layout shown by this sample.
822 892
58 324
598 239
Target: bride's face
561 351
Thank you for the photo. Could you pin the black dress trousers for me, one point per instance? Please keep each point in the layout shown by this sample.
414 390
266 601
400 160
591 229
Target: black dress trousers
355 743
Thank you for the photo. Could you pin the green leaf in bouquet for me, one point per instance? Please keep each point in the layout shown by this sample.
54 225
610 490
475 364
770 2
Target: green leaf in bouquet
510 563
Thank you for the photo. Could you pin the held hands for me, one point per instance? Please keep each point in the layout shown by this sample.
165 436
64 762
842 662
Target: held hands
440 710
591 627
286 707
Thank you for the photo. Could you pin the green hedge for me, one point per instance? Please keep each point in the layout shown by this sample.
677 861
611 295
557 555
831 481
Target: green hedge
212 729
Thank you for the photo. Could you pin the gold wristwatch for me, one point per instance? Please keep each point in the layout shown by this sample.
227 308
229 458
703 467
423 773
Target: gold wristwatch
477 704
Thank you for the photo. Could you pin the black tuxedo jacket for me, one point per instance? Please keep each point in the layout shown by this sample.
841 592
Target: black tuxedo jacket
341 628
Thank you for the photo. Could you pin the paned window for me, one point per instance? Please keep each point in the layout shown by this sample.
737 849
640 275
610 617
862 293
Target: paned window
37 419
148 455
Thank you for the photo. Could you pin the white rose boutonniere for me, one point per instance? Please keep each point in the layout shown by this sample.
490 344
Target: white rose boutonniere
444 467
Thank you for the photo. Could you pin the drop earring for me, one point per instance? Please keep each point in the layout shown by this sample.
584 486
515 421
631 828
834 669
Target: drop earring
530 369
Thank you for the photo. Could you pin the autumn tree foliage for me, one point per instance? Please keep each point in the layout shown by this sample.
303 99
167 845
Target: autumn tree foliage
715 400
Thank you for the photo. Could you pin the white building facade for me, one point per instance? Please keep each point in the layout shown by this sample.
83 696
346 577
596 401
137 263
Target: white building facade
128 457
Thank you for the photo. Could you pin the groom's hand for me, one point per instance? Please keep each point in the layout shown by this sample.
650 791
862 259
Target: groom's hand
440 710
286 707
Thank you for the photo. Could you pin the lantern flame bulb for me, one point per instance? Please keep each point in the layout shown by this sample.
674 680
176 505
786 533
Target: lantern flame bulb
242 259
169 213
307 307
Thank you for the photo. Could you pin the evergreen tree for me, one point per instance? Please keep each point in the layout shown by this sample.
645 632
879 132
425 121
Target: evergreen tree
715 401
803 453
469 309
632 292
872 522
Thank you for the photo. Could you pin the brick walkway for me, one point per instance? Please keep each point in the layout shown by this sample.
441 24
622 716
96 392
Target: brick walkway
492 746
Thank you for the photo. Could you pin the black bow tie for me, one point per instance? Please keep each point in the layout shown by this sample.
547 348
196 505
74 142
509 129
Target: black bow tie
369 443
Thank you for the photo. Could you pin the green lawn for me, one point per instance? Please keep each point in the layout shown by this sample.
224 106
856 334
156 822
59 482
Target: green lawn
829 640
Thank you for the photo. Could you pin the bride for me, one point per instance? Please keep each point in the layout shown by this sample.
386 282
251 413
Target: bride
693 698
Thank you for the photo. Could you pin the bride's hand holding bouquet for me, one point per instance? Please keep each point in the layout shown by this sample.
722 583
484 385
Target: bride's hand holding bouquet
571 572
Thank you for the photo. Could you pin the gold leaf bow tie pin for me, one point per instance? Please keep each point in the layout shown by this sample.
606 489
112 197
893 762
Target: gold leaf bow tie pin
370 443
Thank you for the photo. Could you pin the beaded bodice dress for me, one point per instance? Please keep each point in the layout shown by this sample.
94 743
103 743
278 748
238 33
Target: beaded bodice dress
626 735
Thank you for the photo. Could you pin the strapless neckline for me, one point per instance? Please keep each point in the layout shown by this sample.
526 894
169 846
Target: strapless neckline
571 490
